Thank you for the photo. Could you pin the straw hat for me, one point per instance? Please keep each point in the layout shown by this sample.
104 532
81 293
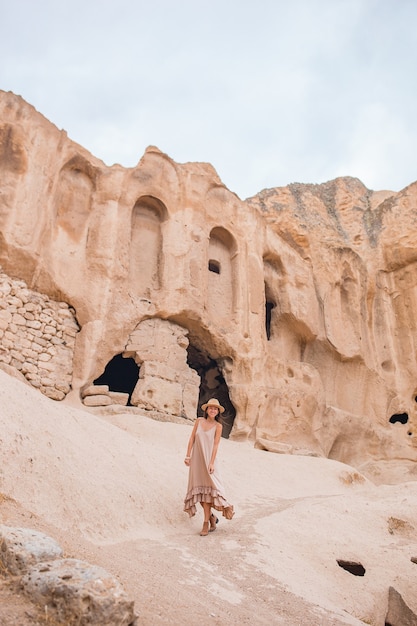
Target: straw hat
213 402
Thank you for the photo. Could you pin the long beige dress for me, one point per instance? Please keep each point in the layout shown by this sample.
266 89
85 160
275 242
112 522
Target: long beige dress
203 486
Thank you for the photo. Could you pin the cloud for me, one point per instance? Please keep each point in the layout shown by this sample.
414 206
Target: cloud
269 92
378 140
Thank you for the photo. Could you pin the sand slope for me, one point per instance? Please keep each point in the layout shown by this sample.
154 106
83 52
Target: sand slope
111 490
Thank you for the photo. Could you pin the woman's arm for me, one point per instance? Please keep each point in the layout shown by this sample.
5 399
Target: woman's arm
191 443
218 434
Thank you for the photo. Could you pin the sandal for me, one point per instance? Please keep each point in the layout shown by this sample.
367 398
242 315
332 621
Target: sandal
213 522
204 530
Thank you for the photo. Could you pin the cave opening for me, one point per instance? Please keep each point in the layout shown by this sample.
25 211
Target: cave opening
120 374
214 266
357 569
402 418
270 305
268 316
212 385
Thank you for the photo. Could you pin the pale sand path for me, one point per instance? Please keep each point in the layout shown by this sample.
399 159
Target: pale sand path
110 490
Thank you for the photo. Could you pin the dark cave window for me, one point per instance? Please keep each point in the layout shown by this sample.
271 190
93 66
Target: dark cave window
268 314
214 266
402 418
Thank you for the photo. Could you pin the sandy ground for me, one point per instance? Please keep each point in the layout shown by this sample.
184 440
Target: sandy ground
110 490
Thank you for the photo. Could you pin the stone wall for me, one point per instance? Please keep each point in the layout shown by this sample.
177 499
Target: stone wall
165 382
37 337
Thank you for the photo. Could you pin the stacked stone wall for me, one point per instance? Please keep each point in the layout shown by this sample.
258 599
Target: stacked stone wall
37 337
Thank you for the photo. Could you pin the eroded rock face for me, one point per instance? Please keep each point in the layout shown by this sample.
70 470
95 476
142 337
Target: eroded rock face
296 308
21 548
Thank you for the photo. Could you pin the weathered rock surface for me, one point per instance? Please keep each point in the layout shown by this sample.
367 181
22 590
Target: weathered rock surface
296 308
398 611
78 593
166 382
69 591
20 548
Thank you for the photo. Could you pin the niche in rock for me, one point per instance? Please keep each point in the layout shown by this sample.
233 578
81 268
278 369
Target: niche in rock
146 246
221 287
213 385
12 153
76 186
120 374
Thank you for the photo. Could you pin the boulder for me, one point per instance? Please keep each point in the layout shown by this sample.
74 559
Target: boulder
20 548
76 593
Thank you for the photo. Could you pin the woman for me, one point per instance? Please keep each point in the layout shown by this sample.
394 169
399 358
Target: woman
204 482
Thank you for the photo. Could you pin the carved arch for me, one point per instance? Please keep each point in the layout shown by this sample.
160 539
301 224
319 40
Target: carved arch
222 273
13 164
13 157
76 185
145 271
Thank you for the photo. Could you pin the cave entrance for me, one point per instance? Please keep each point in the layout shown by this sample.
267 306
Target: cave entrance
402 418
120 374
212 385
357 569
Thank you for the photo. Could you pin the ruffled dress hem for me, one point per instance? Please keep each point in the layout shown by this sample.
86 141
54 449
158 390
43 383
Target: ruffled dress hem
210 495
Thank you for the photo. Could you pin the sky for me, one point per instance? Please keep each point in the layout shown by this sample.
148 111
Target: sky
270 92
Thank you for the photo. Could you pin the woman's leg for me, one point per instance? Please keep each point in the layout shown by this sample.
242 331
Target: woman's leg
207 511
212 519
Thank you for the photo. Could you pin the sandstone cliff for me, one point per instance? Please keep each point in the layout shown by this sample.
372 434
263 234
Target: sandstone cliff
295 307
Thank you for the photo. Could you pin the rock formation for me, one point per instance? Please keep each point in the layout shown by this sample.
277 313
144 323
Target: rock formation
69 591
296 308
